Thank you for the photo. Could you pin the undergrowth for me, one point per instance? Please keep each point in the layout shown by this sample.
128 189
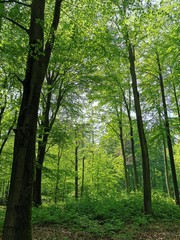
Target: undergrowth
122 216
112 217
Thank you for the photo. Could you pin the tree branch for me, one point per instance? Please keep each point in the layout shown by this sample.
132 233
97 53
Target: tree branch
17 24
11 1
18 78
53 28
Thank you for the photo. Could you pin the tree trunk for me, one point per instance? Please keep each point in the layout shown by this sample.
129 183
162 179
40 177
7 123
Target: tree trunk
136 180
17 224
45 127
142 138
38 171
76 170
124 157
124 161
165 154
166 169
120 133
18 216
176 101
2 9
168 134
83 170
57 176
8 133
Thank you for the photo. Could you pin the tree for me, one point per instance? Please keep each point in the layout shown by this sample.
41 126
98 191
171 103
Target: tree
140 125
167 131
127 35
17 224
51 103
76 164
142 138
58 175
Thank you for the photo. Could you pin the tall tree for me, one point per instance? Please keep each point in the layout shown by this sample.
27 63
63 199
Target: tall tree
168 133
17 224
128 32
142 138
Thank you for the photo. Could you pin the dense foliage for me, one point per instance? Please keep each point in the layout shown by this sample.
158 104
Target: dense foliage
88 141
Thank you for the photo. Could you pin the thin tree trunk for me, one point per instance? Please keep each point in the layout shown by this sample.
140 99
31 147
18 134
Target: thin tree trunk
142 138
76 170
42 143
8 133
176 101
119 117
168 134
2 9
83 171
124 158
57 176
166 169
64 189
165 155
136 180
45 126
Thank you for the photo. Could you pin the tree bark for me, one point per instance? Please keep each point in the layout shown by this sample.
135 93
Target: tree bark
76 170
166 169
142 138
123 151
140 125
136 180
83 172
17 224
8 133
57 176
168 133
176 101
164 153
124 160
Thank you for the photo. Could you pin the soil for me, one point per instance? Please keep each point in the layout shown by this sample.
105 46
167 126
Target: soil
160 231
155 231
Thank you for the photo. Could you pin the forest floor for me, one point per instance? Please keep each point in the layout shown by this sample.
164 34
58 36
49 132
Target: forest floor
105 219
153 231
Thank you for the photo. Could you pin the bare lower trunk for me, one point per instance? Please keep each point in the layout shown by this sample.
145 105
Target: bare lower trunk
168 133
17 224
166 170
76 171
176 101
165 155
83 172
136 180
142 138
57 176
124 161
